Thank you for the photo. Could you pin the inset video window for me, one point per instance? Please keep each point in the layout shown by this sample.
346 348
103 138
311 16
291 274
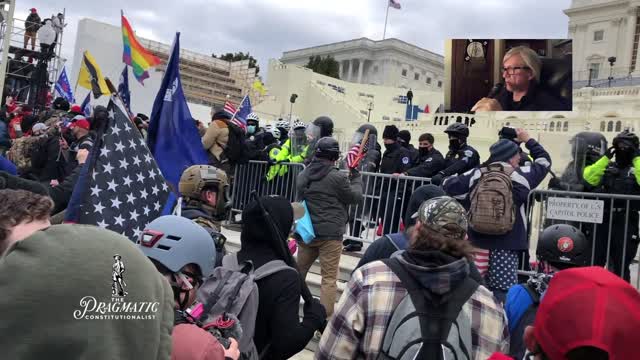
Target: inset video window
510 75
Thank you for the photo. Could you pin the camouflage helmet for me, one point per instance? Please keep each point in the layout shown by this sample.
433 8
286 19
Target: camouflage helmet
197 177
444 216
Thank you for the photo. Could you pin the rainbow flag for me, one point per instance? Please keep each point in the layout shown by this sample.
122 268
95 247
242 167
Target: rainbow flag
134 55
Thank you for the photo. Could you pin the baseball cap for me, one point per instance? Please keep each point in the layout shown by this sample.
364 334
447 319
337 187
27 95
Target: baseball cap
588 306
445 216
75 109
80 122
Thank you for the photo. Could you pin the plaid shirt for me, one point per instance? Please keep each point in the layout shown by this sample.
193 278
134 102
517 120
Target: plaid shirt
357 329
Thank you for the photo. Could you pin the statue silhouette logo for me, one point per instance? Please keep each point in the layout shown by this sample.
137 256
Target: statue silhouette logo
117 277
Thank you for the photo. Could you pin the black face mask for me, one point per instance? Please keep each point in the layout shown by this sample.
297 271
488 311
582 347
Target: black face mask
455 144
424 151
391 147
624 157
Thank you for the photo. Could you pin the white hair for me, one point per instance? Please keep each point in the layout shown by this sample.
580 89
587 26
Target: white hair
529 57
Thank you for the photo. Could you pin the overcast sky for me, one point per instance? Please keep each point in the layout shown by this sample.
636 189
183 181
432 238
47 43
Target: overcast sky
266 28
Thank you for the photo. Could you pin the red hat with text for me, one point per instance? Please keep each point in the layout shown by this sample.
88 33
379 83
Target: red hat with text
588 306
81 122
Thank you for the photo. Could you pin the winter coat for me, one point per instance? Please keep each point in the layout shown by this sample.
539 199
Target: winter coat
32 24
428 165
328 192
46 34
524 180
216 138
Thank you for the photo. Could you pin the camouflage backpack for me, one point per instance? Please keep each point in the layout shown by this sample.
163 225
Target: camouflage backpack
492 210
21 150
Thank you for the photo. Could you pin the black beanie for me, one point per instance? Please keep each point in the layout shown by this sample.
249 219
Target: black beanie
422 194
405 136
256 230
221 115
390 132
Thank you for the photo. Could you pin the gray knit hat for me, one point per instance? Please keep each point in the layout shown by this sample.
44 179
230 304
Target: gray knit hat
503 150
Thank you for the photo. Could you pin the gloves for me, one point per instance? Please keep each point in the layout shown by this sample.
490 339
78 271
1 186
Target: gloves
353 173
316 312
437 179
555 184
610 152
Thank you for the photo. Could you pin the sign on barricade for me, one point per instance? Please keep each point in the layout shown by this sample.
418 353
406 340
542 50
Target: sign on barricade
581 210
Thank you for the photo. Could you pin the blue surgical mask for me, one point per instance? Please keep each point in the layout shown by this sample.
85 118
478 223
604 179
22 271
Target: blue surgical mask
251 129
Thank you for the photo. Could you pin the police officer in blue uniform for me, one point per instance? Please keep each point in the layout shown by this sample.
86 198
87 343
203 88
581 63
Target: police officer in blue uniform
461 157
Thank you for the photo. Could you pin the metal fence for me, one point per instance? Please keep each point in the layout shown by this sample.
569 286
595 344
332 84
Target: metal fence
609 221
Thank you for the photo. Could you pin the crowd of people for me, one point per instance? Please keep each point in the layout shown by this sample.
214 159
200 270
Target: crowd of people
420 291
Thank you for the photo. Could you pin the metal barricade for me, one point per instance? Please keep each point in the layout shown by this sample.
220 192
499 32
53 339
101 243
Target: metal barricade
609 221
386 198
253 176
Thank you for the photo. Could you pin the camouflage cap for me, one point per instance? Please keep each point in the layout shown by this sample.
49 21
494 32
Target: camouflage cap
445 216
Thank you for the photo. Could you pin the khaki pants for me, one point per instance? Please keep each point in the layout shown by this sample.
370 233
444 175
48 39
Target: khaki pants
329 252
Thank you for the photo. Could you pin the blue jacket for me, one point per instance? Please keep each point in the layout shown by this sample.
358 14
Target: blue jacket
524 179
8 166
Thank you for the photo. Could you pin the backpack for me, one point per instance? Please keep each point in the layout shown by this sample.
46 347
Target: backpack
237 150
232 291
427 326
21 152
492 211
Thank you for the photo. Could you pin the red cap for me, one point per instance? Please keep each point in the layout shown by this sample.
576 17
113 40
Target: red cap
75 108
33 10
82 123
588 307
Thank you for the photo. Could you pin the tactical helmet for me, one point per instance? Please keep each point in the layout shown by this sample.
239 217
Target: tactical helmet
253 117
197 177
276 133
328 148
564 244
626 137
299 125
325 124
283 124
591 144
458 129
175 242
372 129
444 216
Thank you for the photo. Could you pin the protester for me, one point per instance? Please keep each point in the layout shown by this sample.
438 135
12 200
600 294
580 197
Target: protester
31 26
5 140
430 160
75 110
279 333
384 247
47 37
586 313
58 25
68 277
8 166
203 189
404 138
47 159
142 123
215 140
327 193
23 213
15 131
436 266
497 207
183 253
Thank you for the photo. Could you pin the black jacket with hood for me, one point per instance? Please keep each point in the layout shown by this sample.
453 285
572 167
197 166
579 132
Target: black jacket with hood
328 192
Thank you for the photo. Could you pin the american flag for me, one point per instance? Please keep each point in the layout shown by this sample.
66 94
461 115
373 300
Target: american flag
395 4
229 108
120 187
244 110
352 155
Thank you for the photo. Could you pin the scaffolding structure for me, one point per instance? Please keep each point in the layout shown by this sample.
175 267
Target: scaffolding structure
26 74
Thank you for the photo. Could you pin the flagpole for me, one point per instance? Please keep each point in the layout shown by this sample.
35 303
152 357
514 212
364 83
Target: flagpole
386 18
238 108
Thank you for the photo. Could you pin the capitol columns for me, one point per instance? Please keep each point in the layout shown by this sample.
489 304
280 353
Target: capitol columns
350 77
632 15
340 73
360 69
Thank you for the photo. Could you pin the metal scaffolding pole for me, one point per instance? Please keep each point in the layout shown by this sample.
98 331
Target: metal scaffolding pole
6 40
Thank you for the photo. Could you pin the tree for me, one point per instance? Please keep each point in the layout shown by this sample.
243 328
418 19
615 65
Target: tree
239 56
326 66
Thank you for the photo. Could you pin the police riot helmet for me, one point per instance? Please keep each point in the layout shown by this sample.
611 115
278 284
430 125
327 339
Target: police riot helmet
626 138
591 145
328 148
175 242
325 124
253 117
283 124
458 129
372 129
563 246
299 125
198 177
276 133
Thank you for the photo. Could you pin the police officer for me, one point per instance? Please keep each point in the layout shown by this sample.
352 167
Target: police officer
255 137
430 160
461 157
404 137
283 127
396 159
370 162
586 149
321 127
204 190
621 176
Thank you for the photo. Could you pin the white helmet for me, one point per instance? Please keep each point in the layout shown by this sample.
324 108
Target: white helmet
299 125
275 133
268 127
253 116
283 124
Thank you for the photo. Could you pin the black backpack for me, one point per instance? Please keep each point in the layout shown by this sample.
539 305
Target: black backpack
236 151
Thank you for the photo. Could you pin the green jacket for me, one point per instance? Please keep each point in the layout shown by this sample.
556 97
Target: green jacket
593 174
52 282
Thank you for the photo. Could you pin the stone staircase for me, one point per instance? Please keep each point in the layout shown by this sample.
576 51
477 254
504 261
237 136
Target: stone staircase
348 262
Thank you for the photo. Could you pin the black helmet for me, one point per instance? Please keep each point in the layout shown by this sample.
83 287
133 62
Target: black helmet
325 124
328 148
372 129
627 137
592 144
458 129
564 246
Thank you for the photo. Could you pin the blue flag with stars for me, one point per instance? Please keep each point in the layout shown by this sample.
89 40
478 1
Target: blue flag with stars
123 89
63 88
120 187
243 111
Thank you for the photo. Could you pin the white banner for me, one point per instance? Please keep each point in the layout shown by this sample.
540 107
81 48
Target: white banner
581 210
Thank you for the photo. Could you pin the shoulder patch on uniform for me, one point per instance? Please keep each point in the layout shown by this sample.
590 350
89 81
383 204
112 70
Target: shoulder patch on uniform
468 153
405 160
429 160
